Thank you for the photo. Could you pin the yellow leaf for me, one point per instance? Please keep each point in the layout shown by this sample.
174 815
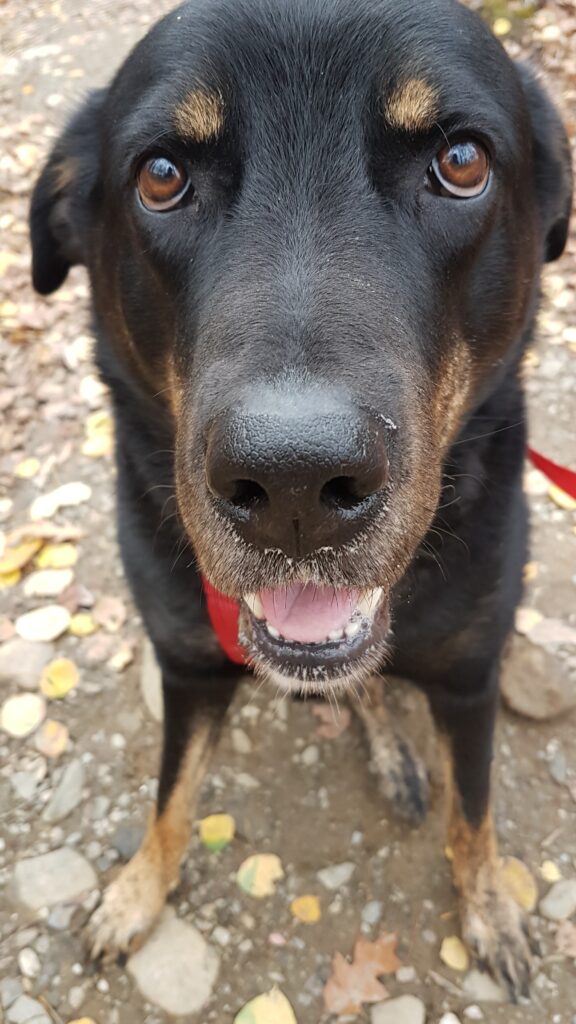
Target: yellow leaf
97 447
99 435
306 909
270 1008
82 624
560 498
22 714
19 555
258 874
550 872
43 624
51 739
502 26
82 1020
454 954
10 579
217 831
520 883
26 469
530 572
57 556
526 619
58 678
47 505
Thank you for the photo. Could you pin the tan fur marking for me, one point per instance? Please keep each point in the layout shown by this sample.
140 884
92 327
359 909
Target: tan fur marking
200 117
63 174
412 106
452 391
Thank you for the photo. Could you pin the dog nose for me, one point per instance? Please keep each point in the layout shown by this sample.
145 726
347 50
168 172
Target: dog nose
297 472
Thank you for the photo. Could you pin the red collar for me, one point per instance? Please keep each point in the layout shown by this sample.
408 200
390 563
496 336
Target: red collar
224 611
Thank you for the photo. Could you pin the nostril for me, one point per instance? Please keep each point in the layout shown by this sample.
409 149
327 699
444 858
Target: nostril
342 493
246 494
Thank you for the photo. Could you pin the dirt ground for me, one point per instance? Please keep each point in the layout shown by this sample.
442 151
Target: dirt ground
308 798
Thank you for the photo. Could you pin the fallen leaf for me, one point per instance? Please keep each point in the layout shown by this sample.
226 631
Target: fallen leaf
51 739
58 678
526 619
502 26
123 657
217 831
270 1008
57 556
560 498
530 572
26 469
552 631
48 582
99 435
332 723
7 629
47 505
10 579
454 954
82 624
22 714
550 872
521 883
82 1020
566 939
306 909
18 555
110 612
258 874
350 985
43 624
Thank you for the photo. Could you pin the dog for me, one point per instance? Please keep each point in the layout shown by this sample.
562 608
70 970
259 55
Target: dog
314 233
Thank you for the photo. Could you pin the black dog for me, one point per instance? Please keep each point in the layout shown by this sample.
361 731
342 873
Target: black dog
314 232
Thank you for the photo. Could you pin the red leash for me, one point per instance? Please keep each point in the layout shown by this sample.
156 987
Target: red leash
224 611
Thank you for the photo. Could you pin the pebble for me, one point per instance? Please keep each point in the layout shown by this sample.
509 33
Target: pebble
57 877
372 912
221 935
560 902
27 1011
176 969
534 682
22 661
406 975
29 963
76 997
60 916
241 742
449 1018
127 839
310 756
10 989
24 784
482 987
558 768
473 1012
67 794
151 683
336 875
404 1010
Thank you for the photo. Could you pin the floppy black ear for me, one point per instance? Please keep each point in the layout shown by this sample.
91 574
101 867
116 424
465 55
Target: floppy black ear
553 165
61 201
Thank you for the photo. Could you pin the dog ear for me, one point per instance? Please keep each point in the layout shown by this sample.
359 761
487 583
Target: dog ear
552 162
60 208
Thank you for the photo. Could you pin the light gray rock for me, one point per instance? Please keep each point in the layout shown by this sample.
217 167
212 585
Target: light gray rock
241 742
68 793
76 996
176 969
24 784
449 1018
60 916
127 839
29 962
483 988
473 1012
151 683
404 1010
27 1011
10 989
22 661
372 912
61 876
310 756
560 902
336 875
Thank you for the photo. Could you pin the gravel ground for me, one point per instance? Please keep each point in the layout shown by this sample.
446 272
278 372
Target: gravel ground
73 803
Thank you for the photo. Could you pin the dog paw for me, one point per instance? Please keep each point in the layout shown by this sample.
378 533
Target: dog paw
128 911
402 777
497 931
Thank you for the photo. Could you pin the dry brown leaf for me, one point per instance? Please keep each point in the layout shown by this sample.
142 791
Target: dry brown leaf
352 984
332 723
110 612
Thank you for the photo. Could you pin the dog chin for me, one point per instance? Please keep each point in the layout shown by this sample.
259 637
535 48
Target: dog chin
306 686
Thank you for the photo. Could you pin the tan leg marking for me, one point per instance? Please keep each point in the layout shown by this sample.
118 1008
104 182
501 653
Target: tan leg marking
402 778
412 106
134 901
493 925
200 116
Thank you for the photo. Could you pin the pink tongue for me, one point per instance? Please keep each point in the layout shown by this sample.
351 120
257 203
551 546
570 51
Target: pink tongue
307 613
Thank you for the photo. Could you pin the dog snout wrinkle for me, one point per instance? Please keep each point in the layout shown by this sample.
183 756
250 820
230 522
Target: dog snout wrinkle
294 476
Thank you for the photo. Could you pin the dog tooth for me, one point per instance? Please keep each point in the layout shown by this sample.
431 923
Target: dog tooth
336 634
255 605
352 629
273 631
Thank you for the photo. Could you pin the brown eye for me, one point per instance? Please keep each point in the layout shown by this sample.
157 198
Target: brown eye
161 182
462 169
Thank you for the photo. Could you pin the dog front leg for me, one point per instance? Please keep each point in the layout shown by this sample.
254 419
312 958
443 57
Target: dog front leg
194 711
493 925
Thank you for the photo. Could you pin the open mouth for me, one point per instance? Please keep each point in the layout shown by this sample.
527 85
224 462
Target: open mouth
312 632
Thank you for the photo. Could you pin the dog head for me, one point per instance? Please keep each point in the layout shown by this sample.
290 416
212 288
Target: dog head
314 232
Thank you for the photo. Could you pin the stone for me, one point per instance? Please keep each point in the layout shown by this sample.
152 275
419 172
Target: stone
241 742
535 684
473 1012
67 794
27 1011
60 876
372 912
479 985
406 975
29 963
76 996
404 1010
336 875
60 916
151 683
310 756
560 902
449 1018
10 989
24 784
176 969
22 661
127 839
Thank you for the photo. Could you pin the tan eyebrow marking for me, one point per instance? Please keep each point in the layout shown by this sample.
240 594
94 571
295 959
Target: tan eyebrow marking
412 105
200 116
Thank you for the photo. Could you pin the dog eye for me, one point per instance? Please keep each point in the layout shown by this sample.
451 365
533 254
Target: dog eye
462 169
161 182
